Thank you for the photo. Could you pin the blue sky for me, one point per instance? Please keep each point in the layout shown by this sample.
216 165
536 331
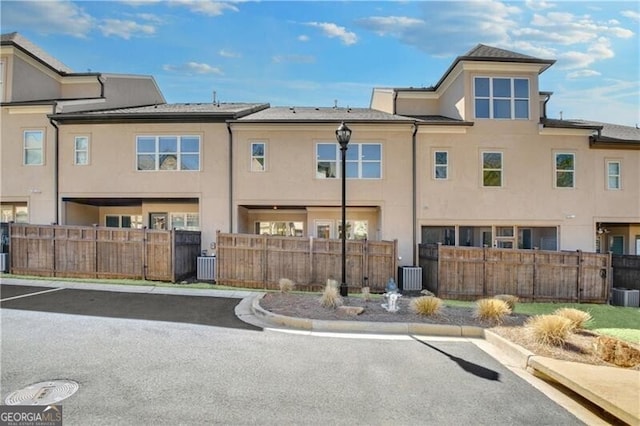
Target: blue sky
304 53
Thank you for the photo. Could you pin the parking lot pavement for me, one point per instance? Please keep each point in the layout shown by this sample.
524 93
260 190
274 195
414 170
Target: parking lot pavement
213 311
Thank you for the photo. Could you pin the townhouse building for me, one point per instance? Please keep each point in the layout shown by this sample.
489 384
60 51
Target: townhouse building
470 161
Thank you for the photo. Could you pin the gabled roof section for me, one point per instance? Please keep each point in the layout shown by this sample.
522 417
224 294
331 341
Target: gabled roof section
484 52
605 135
322 115
166 113
15 39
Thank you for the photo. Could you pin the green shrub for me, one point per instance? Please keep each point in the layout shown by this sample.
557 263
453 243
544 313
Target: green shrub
577 317
550 329
492 310
286 285
426 305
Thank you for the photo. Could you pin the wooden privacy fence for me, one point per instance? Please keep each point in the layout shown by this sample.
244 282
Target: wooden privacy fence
469 273
98 252
626 271
259 261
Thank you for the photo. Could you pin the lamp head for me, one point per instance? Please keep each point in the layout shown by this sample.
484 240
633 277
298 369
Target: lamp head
343 134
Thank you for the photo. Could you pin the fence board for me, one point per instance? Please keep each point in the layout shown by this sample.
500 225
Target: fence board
259 261
626 271
97 252
471 273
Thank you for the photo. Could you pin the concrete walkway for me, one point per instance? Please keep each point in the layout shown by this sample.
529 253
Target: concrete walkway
614 390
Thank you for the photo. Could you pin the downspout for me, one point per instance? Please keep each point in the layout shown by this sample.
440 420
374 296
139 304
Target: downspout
395 98
544 107
414 195
230 177
56 161
101 81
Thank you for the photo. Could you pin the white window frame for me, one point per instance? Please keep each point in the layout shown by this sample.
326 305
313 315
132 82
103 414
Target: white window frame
617 176
360 160
437 166
77 151
185 220
324 222
556 171
26 149
254 164
157 154
483 169
513 99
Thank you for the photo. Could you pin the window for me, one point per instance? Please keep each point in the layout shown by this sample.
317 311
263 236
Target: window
565 170
34 147
446 235
501 98
286 229
363 161
324 228
81 151
356 229
491 169
2 74
14 213
123 221
613 174
441 165
168 152
185 221
258 157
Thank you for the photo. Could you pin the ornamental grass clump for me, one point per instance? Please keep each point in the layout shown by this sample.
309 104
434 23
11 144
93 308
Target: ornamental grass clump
492 310
330 296
426 305
286 285
509 299
549 329
577 317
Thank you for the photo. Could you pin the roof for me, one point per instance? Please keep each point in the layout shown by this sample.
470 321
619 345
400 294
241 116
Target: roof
182 112
605 135
484 53
323 115
34 51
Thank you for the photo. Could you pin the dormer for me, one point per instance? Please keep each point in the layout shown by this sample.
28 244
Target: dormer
486 83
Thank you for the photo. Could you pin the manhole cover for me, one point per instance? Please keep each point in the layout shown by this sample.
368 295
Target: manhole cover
43 393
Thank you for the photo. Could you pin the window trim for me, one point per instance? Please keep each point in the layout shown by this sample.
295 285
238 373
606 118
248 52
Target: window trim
483 169
24 147
512 98
253 157
76 150
555 170
436 165
178 154
609 175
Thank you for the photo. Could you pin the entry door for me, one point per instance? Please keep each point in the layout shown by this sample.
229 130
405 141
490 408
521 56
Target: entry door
159 221
616 244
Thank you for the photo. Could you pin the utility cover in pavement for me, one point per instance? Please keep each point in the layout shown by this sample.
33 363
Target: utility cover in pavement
43 393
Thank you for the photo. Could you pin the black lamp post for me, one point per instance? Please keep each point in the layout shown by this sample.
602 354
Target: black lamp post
343 134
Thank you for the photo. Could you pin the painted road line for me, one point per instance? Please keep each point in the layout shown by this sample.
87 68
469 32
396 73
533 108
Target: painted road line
31 294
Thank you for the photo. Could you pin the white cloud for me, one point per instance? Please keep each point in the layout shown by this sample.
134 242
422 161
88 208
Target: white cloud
46 17
392 25
205 7
299 59
303 38
583 74
229 53
634 15
194 68
539 4
332 30
124 28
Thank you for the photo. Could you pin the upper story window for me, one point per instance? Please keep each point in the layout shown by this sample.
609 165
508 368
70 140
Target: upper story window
565 169
81 151
168 152
613 175
501 98
34 147
363 161
2 78
491 169
258 157
441 165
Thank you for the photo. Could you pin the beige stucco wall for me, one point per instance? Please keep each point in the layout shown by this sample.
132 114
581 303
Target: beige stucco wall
290 178
28 79
452 102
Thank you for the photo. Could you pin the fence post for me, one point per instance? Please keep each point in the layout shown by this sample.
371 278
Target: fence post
535 272
311 271
265 260
484 270
53 249
144 253
172 251
579 280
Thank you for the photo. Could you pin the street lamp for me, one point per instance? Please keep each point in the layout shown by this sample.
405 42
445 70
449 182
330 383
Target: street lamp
343 134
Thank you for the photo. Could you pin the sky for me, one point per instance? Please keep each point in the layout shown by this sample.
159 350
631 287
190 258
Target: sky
317 53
